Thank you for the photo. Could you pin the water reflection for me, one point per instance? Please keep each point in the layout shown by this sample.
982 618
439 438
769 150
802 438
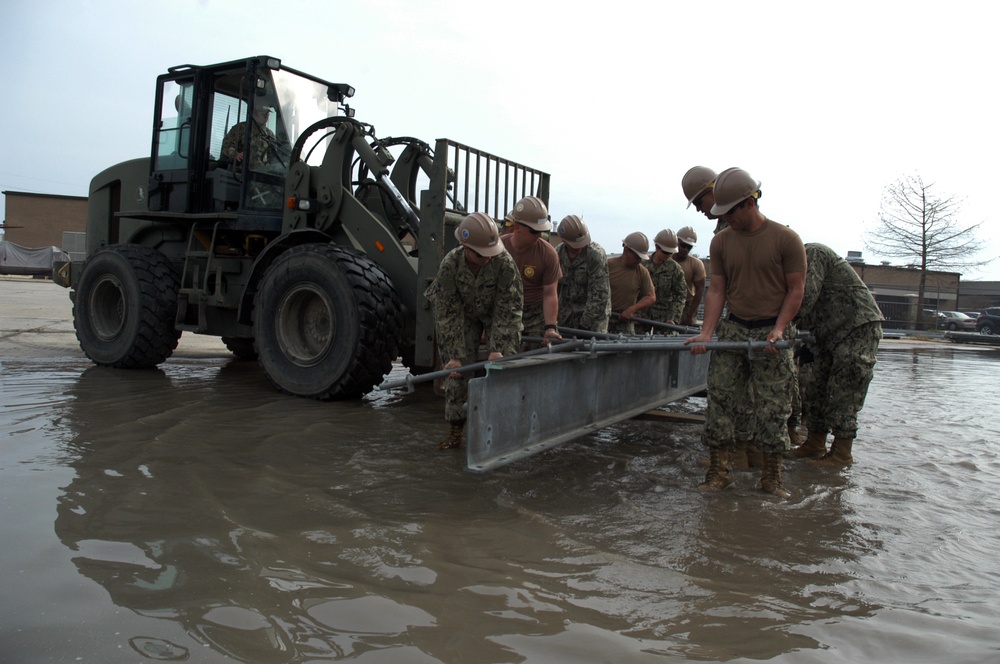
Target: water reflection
275 529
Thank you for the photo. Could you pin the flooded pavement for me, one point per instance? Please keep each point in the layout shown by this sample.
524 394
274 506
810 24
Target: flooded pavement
193 514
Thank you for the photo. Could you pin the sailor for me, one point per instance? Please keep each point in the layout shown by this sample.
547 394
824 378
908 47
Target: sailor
632 288
668 281
694 274
584 289
477 293
840 312
538 264
758 271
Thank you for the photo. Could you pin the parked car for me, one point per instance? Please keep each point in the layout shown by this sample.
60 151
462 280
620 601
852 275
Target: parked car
954 321
971 314
989 321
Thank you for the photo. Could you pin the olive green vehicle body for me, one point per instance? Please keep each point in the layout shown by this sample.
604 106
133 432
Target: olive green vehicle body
387 206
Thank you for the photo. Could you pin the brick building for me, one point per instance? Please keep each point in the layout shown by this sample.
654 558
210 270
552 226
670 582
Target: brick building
41 220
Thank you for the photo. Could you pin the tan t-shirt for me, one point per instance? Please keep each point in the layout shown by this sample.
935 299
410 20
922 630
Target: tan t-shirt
628 285
754 266
538 265
694 270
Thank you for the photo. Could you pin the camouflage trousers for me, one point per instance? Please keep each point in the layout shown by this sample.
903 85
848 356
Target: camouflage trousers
836 384
456 390
749 394
574 321
533 320
620 326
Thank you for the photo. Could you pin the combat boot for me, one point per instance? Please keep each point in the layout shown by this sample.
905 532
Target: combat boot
770 477
738 459
839 455
455 437
815 446
718 476
793 436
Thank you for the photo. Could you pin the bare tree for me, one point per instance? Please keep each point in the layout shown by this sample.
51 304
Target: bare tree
922 229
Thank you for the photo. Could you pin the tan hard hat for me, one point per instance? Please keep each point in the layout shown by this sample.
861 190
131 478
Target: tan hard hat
478 232
666 240
574 232
696 182
531 212
733 186
639 243
687 236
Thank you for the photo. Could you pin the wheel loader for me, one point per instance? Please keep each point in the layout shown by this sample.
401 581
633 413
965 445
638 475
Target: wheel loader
267 215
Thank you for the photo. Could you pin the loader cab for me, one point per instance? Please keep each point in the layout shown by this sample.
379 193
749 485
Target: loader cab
223 134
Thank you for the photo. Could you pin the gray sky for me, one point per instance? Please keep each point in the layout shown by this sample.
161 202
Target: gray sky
825 102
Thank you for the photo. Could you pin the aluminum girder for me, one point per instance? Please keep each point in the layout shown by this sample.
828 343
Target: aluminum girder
524 407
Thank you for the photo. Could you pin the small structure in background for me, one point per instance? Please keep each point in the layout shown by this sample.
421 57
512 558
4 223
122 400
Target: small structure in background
15 259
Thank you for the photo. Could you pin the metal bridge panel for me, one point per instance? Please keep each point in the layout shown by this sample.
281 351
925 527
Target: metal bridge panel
526 406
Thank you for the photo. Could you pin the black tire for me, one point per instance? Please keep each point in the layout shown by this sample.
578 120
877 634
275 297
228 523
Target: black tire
987 329
953 327
124 307
326 322
241 347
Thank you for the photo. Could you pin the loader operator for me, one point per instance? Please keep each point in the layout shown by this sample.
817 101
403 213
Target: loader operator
477 293
263 153
538 265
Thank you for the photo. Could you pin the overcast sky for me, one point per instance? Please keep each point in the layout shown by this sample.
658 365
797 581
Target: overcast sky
825 102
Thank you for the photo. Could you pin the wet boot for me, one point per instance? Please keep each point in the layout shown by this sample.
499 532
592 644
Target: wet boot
718 476
770 476
738 458
455 437
839 455
814 447
793 436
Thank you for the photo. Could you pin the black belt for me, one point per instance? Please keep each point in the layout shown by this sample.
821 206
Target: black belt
753 324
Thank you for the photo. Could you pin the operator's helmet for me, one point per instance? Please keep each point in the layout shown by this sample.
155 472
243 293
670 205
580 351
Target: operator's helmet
732 187
478 232
574 232
687 236
531 212
697 181
639 243
666 240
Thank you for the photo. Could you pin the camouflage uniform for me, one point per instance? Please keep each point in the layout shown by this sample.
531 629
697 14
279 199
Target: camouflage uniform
736 377
262 141
584 290
465 306
841 313
671 292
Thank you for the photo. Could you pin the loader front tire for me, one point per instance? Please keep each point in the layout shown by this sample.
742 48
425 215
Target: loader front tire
124 307
326 322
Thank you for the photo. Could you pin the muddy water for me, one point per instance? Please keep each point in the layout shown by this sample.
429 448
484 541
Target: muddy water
193 514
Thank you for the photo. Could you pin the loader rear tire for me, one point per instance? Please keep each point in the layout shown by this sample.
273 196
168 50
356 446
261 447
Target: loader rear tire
124 307
326 322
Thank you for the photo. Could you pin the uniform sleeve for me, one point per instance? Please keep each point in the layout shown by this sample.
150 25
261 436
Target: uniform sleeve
505 328
598 307
449 314
677 293
818 264
232 142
